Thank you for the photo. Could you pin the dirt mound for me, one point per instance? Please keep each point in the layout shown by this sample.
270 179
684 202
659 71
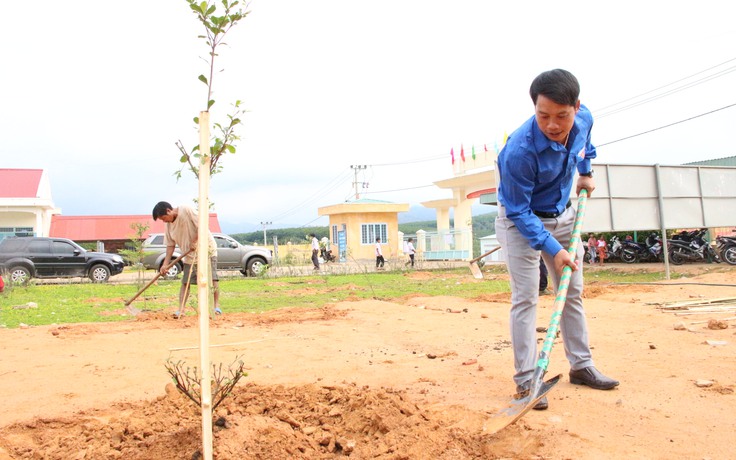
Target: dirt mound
501 297
265 422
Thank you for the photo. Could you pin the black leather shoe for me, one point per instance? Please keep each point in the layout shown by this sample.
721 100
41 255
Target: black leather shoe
591 377
523 390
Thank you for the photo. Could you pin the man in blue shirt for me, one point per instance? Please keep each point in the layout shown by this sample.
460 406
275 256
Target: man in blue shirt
536 169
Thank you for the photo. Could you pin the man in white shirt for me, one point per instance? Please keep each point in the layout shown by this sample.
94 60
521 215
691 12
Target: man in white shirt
411 251
182 229
379 254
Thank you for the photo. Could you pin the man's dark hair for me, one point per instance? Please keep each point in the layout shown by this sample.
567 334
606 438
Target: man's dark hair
313 235
161 208
559 85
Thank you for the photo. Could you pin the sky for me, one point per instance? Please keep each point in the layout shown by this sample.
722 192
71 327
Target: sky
97 93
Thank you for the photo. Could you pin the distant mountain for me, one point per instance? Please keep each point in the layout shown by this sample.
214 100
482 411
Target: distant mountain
232 227
417 213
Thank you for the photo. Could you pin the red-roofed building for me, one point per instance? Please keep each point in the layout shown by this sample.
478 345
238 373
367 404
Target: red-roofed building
26 209
25 201
113 231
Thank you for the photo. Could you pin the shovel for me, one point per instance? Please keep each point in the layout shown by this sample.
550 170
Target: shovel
133 310
475 269
539 388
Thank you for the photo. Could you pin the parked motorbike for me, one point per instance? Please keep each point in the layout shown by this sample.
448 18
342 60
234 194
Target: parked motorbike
727 248
586 255
691 246
614 249
650 250
326 255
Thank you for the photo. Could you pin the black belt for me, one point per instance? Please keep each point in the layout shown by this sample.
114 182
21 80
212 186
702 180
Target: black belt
551 215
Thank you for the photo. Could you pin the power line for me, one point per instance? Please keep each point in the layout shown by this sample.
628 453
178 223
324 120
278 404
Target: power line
400 189
337 181
659 96
667 126
407 162
602 112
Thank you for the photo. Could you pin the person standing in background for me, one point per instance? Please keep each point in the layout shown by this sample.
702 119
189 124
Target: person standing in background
411 251
601 245
543 273
379 254
315 251
592 247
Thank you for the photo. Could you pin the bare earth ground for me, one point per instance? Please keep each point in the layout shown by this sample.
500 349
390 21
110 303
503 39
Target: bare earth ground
400 379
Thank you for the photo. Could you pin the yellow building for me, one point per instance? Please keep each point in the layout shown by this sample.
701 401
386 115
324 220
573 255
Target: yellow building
354 226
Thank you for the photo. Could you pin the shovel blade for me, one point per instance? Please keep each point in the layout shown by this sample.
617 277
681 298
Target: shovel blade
132 310
518 407
475 269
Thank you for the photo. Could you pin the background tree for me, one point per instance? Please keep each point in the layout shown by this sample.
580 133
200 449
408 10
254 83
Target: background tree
134 252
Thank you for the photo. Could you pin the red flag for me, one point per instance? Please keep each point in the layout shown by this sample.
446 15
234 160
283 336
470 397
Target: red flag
485 148
462 152
452 155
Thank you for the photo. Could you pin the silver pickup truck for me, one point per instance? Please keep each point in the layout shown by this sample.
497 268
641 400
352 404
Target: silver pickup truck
231 255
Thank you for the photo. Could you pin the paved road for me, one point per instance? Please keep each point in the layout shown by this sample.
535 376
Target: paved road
367 266
363 266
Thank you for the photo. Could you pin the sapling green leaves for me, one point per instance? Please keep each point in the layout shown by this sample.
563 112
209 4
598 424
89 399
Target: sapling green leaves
224 136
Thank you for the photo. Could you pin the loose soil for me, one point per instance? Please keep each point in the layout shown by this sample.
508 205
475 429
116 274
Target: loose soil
416 377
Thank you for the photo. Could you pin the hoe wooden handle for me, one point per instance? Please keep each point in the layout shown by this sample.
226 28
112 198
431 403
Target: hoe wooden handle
158 275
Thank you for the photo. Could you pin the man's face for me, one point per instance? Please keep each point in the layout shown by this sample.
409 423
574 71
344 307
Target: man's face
169 217
555 120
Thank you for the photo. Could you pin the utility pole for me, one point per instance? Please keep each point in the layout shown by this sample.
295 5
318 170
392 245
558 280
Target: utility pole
357 168
265 242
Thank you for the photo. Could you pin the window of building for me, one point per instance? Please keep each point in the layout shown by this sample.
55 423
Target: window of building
369 233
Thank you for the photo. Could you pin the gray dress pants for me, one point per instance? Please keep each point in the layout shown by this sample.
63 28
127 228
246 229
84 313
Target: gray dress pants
522 262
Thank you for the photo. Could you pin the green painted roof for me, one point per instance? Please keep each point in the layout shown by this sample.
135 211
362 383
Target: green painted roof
726 161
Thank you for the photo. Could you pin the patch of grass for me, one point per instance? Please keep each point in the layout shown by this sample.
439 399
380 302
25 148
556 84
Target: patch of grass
614 275
90 302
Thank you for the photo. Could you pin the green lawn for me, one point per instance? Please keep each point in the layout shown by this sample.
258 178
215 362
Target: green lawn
88 302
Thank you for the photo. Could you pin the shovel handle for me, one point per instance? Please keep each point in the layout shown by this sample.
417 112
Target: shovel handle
158 275
561 298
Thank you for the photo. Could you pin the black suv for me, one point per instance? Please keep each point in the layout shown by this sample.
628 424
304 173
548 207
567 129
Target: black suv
23 258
